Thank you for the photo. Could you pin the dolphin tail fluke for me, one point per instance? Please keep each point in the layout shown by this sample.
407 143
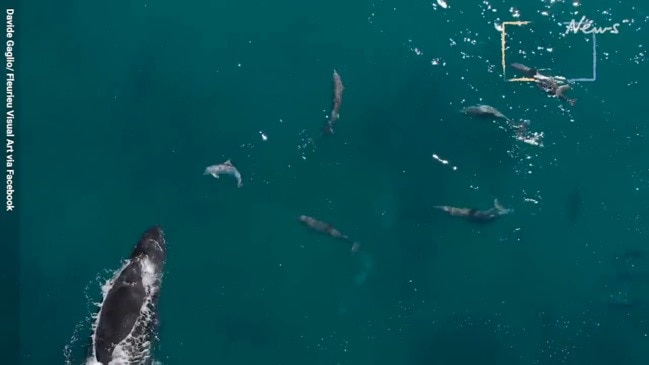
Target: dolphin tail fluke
355 247
501 209
328 129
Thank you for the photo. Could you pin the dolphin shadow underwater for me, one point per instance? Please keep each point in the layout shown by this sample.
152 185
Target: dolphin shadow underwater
574 205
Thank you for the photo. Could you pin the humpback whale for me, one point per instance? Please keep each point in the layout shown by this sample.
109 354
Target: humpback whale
125 324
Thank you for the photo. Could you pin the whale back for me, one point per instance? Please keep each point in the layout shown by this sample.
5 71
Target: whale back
152 245
127 316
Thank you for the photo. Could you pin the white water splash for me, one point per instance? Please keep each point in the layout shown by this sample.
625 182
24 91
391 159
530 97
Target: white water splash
134 349
442 161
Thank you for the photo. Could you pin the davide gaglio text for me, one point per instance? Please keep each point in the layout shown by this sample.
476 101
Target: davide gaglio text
9 103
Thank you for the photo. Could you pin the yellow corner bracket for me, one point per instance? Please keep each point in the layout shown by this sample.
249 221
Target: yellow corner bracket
503 36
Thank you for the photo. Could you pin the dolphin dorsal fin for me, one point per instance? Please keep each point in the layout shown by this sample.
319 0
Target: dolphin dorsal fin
228 162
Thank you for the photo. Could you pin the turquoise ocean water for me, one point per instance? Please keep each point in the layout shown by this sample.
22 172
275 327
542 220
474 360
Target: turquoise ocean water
126 102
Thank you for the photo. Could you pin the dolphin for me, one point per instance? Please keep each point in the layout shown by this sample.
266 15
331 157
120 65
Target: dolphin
552 87
527 71
328 229
226 168
476 215
559 92
485 111
337 101
127 319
